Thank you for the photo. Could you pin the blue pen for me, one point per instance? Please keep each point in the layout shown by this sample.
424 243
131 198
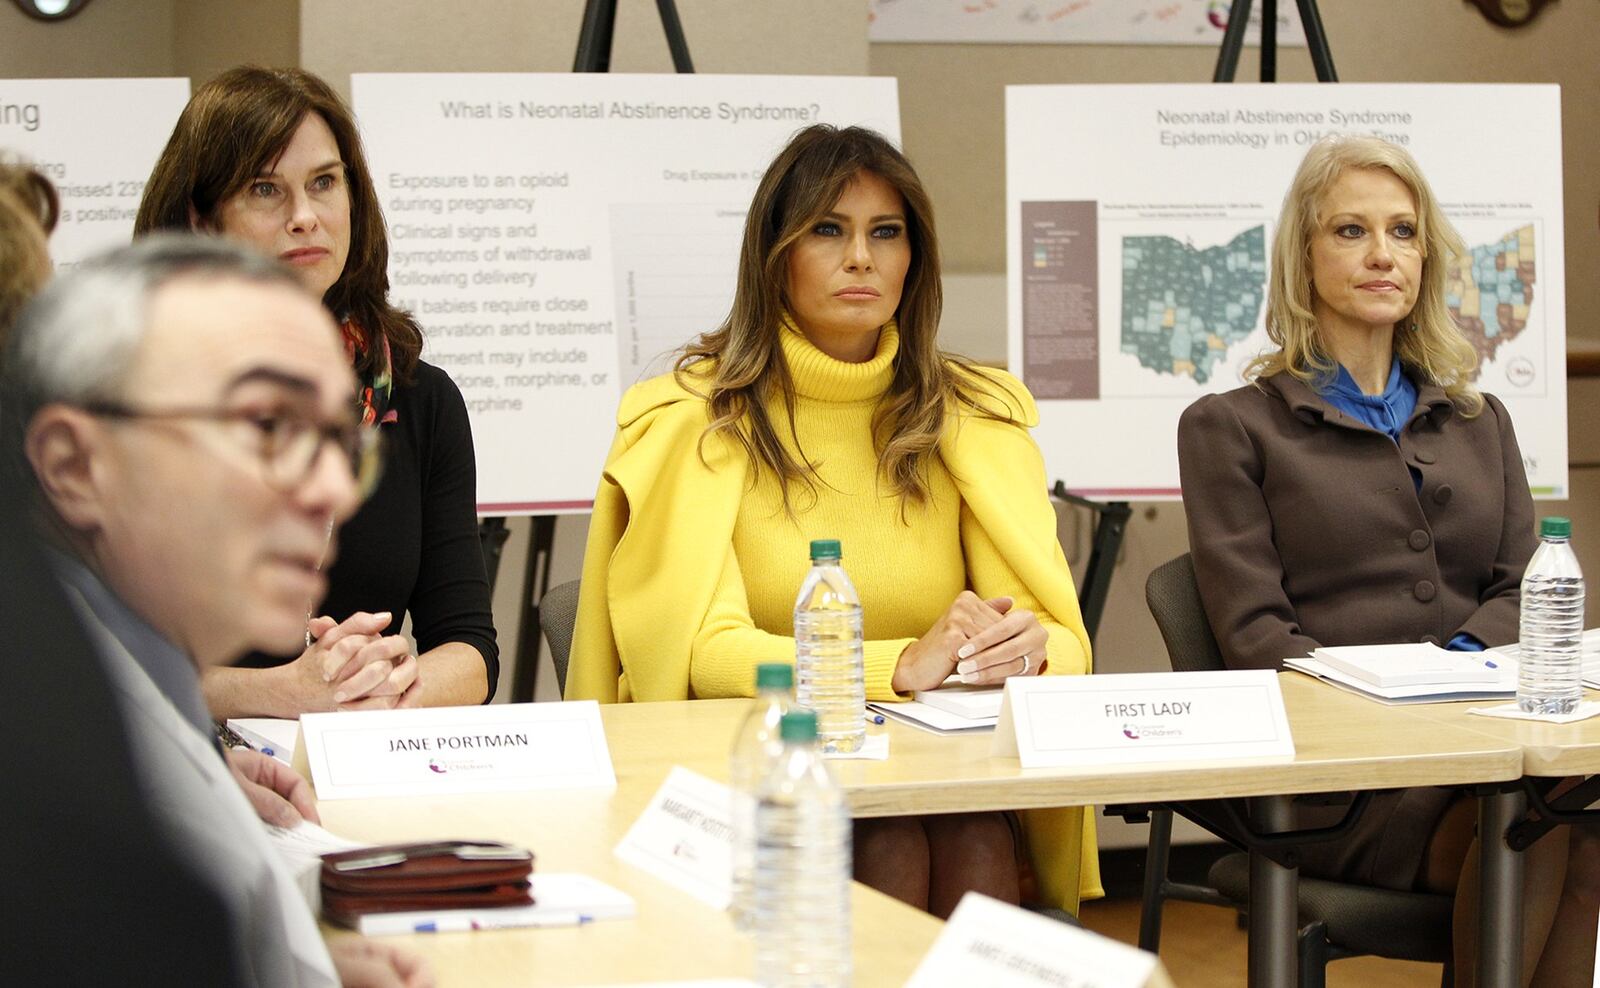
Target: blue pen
875 718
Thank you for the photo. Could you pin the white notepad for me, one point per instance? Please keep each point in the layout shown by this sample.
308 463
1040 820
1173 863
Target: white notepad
1410 664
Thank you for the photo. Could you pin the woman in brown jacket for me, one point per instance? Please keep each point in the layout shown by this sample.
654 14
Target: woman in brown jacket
1361 490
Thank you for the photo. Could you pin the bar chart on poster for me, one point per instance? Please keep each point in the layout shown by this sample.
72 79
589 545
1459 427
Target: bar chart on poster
559 236
1141 223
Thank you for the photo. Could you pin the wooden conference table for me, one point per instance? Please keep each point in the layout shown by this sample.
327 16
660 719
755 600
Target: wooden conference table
1342 742
673 937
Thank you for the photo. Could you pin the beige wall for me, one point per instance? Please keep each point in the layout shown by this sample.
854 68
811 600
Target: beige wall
210 36
109 39
817 37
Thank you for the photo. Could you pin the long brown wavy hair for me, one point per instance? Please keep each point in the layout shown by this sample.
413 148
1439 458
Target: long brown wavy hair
239 123
1428 342
28 212
741 367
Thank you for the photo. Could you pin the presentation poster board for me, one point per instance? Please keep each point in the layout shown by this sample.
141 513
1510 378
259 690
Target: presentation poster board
96 140
1107 22
559 235
1140 222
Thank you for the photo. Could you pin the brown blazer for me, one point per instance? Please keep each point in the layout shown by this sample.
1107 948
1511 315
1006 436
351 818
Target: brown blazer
1306 528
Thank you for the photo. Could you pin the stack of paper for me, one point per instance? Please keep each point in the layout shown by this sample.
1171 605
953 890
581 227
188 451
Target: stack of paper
953 708
1591 656
1412 672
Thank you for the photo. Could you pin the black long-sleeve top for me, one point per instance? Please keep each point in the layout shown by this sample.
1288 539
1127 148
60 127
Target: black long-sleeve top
413 546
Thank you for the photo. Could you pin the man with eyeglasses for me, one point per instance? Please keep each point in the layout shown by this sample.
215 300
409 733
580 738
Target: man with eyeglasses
183 414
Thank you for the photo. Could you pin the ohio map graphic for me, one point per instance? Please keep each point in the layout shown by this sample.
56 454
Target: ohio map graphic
1182 308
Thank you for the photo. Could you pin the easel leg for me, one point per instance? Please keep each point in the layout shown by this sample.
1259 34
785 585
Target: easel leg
535 582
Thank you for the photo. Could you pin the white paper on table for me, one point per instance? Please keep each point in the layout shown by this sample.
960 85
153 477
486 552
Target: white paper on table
991 943
301 848
1583 711
874 749
971 702
932 719
1589 648
268 735
685 837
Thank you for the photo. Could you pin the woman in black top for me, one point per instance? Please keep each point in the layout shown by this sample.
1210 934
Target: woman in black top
272 158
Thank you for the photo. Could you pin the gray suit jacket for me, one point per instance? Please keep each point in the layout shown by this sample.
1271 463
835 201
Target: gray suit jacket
1306 528
195 799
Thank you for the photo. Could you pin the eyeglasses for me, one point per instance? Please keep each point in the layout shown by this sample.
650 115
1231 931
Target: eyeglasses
288 443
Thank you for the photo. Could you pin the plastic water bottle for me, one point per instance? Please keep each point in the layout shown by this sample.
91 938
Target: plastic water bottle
802 877
755 747
1550 671
829 678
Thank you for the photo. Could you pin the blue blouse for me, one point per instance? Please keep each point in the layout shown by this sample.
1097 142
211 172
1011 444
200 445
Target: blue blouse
1387 412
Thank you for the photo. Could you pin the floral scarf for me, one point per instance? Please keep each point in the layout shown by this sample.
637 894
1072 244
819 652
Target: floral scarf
377 385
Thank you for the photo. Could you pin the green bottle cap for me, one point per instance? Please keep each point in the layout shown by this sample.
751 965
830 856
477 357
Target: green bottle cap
824 549
798 727
774 676
1549 528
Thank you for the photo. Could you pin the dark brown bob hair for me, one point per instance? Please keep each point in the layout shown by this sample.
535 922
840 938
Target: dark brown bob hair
744 357
238 124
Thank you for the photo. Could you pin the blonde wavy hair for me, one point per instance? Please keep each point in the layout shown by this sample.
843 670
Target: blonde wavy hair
28 212
739 368
1429 344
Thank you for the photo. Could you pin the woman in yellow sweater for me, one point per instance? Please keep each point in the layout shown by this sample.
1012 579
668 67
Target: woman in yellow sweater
823 408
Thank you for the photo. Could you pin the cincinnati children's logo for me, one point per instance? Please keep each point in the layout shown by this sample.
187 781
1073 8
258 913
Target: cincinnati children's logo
1128 731
434 765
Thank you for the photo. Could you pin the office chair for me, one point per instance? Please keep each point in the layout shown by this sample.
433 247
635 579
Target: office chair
1339 919
558 612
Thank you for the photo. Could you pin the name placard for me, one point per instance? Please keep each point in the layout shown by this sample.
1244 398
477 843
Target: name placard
685 837
1052 721
989 942
501 748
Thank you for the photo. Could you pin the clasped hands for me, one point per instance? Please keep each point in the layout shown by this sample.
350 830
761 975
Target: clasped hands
353 665
983 641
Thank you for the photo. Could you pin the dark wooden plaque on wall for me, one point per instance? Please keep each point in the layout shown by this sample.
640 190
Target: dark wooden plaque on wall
51 10
1510 13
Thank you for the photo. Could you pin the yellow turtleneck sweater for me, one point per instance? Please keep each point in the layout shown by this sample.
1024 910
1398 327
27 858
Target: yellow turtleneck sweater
908 566
692 566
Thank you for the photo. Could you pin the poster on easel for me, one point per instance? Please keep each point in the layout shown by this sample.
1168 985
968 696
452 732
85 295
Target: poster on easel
96 140
559 236
1140 222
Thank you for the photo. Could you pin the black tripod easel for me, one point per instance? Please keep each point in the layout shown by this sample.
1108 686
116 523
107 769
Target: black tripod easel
1233 41
1110 526
593 55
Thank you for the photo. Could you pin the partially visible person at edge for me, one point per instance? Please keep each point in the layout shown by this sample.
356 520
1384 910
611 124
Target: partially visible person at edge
28 212
272 158
823 408
180 415
29 208
1365 422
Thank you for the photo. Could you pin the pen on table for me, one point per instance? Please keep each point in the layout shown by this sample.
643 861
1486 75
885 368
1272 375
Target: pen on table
466 924
874 718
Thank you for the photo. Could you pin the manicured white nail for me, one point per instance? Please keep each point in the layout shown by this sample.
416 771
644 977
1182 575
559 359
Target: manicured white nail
965 651
965 667
339 697
969 677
